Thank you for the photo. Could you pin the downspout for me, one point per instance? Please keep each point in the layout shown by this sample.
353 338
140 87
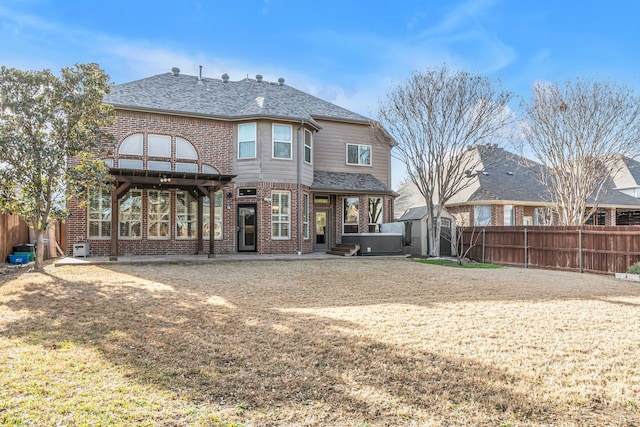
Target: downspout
299 182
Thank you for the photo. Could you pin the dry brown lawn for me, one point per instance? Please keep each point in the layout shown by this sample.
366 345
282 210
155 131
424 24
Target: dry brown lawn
345 342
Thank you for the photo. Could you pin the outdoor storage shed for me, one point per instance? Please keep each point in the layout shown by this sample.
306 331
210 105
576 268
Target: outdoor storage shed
419 232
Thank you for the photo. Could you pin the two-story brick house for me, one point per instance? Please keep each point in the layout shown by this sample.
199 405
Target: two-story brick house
287 171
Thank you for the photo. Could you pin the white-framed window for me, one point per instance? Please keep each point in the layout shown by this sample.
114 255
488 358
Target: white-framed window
218 217
185 149
280 215
375 214
247 141
282 142
130 215
132 145
156 152
509 218
351 216
305 215
186 215
482 215
158 145
308 141
358 155
99 214
158 214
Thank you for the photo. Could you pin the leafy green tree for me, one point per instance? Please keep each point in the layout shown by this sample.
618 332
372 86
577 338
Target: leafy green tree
51 137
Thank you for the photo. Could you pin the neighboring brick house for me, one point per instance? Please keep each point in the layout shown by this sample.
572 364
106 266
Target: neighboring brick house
505 191
288 172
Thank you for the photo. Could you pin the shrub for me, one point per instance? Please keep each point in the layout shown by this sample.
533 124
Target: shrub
634 268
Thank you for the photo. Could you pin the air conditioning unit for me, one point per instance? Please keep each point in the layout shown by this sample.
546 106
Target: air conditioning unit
81 249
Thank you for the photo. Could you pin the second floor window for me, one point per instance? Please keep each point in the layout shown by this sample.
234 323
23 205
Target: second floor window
307 146
247 141
358 155
281 142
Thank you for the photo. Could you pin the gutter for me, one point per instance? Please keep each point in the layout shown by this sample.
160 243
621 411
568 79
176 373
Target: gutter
300 209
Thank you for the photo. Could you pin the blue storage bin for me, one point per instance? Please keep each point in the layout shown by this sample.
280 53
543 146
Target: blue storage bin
18 259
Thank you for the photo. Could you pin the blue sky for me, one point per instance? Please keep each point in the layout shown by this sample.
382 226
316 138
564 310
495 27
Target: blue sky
347 52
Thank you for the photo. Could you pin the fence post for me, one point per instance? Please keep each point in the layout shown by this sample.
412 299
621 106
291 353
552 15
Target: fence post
580 250
483 230
526 257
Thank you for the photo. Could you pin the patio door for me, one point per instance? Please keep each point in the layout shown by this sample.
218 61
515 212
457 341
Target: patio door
322 232
247 228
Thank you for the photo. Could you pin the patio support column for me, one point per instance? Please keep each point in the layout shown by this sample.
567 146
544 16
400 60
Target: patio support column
212 221
113 255
200 221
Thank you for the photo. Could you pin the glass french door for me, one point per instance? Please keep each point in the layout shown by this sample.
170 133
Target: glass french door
247 228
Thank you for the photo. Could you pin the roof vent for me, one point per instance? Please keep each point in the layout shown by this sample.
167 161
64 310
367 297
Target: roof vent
175 71
510 173
259 78
280 81
225 78
200 76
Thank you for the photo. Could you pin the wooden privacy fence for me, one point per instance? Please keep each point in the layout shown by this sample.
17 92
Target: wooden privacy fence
593 249
13 231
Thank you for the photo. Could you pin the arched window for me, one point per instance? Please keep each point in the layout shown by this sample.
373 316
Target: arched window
185 150
132 145
159 152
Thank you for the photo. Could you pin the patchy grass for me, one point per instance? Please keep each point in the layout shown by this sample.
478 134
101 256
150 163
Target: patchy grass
452 263
356 342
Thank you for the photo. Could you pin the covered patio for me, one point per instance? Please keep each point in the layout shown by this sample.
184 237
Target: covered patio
199 185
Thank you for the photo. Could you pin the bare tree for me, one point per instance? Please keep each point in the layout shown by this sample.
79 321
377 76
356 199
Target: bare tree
582 133
464 228
437 117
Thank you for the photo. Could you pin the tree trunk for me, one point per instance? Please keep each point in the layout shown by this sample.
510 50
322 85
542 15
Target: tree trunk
40 249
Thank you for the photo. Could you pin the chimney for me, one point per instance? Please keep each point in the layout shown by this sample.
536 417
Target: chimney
225 78
259 78
175 71
280 81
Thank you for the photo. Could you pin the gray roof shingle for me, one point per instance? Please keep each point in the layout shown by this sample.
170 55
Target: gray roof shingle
348 182
414 214
508 176
237 100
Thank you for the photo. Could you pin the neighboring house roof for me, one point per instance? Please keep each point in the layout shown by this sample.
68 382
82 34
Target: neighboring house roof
348 182
634 169
227 100
506 176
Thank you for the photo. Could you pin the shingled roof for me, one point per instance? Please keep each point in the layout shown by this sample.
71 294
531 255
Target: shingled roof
507 176
348 182
224 99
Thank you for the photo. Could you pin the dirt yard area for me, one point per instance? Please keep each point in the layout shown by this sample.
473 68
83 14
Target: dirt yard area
345 342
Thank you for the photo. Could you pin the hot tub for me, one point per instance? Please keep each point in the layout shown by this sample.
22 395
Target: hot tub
376 243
